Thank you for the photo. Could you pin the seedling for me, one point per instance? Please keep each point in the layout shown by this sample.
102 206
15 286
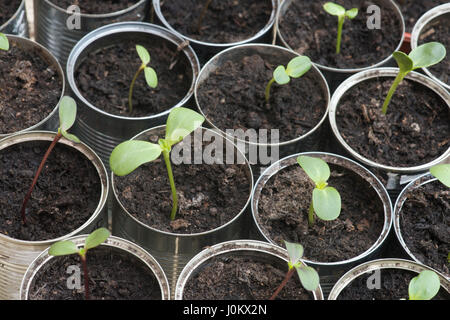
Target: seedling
442 173
4 43
202 15
129 155
424 286
326 201
296 68
308 276
67 247
67 116
339 11
150 74
423 56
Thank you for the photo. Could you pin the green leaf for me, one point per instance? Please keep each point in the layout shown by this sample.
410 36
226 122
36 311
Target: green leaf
4 43
298 66
180 123
404 62
295 252
427 54
151 77
442 173
143 54
424 286
96 238
129 155
334 9
316 169
63 248
67 113
280 75
352 13
70 137
308 277
327 203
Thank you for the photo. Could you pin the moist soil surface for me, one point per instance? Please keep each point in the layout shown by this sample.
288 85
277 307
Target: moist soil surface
113 275
225 21
425 224
209 195
283 214
7 9
96 7
393 286
311 31
414 131
233 277
29 88
105 76
233 98
439 33
412 10
65 196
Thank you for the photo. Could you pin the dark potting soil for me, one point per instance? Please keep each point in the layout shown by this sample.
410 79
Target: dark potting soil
425 224
233 98
225 21
209 195
393 286
66 195
29 88
415 130
311 31
113 275
412 10
439 32
228 277
283 214
7 9
104 78
96 7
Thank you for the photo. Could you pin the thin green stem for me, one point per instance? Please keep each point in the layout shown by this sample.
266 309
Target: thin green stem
166 155
339 35
398 79
130 94
311 214
269 85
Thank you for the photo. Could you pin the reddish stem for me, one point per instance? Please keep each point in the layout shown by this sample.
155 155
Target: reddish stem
285 280
38 172
86 277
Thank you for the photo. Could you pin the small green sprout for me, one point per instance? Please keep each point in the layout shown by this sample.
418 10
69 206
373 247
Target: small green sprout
326 201
296 68
423 56
307 275
442 173
339 11
67 116
67 247
150 74
424 286
4 43
129 155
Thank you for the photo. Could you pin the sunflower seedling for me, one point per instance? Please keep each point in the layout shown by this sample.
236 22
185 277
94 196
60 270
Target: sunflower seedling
150 74
307 275
67 116
339 11
442 173
67 247
129 155
423 56
424 286
296 68
326 200
4 43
